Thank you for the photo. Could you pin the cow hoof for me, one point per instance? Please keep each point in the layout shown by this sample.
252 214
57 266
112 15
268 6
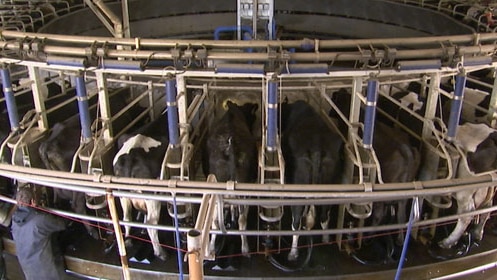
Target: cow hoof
128 243
162 257
94 234
444 244
292 257
326 239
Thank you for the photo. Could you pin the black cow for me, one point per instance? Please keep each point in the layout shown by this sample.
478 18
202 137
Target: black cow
399 162
313 155
58 149
479 144
140 155
56 153
231 155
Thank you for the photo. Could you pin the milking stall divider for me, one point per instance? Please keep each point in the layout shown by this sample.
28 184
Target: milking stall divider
192 78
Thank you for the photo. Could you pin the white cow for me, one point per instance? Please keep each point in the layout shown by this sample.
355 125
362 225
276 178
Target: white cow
479 143
140 156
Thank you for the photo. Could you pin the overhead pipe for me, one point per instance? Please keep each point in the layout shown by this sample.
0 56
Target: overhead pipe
370 113
272 115
89 40
10 99
240 68
122 64
456 106
67 61
84 111
172 111
477 61
419 64
214 54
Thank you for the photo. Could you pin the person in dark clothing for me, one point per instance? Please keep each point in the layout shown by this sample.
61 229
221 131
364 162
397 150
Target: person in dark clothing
33 233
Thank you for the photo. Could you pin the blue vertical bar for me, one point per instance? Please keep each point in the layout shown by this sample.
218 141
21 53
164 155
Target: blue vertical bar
84 112
177 234
172 112
456 106
10 100
370 113
272 113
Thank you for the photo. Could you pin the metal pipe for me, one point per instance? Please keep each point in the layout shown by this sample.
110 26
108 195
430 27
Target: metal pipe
456 106
172 112
84 111
272 115
390 227
195 259
370 113
10 100
67 61
240 68
405 42
419 64
119 235
122 64
86 182
477 60
467 272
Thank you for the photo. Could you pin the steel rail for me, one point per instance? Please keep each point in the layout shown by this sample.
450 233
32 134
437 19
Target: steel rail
318 56
472 39
94 183
355 230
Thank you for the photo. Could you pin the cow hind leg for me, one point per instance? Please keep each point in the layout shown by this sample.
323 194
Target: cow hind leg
325 220
483 202
242 225
464 205
401 218
296 223
214 226
127 208
153 214
79 206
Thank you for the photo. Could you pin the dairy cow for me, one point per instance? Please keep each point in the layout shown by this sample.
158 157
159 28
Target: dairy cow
57 152
478 142
140 155
231 155
399 162
313 155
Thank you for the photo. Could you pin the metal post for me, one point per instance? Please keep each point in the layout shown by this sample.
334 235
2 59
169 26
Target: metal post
456 106
84 111
272 112
38 96
172 112
370 113
10 99
119 235
195 259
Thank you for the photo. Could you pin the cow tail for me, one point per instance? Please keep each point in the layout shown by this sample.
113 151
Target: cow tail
413 160
43 151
